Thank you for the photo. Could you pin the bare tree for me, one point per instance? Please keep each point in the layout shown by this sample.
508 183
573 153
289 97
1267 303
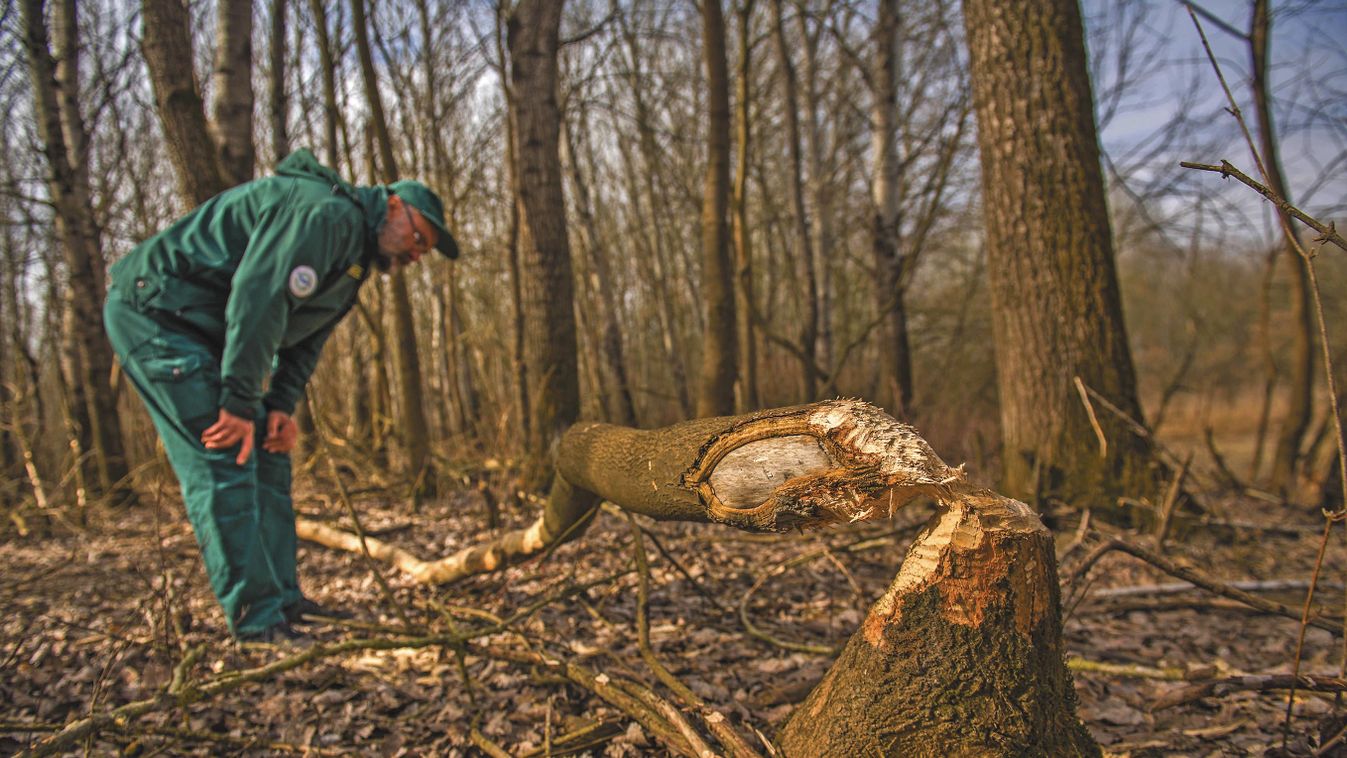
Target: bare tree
715 392
415 433
232 82
167 47
533 35
1057 313
68 187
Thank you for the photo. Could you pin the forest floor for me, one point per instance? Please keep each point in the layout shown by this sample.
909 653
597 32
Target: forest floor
93 618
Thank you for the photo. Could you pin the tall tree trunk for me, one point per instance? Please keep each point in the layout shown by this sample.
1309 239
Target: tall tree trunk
415 433
232 82
80 238
1057 314
167 46
519 369
650 217
1300 378
894 354
328 66
715 394
532 35
277 101
803 251
621 408
747 397
820 195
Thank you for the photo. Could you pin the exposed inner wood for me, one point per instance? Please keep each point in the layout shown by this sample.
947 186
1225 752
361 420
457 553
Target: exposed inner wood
747 476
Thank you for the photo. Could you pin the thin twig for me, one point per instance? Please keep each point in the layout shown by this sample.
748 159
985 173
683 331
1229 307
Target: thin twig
1249 683
1199 579
1094 420
1328 232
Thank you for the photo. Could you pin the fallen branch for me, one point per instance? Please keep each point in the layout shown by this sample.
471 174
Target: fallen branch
1269 585
1199 579
781 470
1130 670
1249 683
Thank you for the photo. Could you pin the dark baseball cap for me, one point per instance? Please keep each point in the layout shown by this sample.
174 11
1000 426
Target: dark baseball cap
419 196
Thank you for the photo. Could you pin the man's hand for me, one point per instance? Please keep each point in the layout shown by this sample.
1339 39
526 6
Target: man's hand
282 433
228 431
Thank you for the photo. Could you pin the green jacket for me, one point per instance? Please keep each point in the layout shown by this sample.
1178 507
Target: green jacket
262 272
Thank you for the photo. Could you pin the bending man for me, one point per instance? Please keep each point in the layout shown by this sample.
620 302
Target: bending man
240 293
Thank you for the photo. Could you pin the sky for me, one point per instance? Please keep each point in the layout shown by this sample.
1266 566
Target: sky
1171 88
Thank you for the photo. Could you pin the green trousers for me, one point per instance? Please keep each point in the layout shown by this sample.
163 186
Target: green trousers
242 515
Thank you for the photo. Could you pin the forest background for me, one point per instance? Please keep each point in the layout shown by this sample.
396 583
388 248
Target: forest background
1207 306
858 249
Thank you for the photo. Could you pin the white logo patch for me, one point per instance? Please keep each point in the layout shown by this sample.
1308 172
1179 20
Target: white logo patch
303 281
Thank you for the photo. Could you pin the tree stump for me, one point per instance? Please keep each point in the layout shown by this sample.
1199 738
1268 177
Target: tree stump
961 656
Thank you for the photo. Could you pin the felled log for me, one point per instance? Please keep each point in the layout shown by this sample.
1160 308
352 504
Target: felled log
793 468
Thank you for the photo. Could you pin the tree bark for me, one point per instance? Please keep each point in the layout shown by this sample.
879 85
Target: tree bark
618 403
68 186
895 352
715 394
1300 380
232 82
414 430
277 100
167 46
1057 313
803 252
533 37
747 397
963 654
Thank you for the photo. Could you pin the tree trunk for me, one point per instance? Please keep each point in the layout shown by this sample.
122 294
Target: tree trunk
232 83
620 407
895 358
276 95
651 220
68 186
518 363
550 340
1057 314
962 656
715 393
747 397
328 66
803 252
1300 379
415 433
167 46
820 200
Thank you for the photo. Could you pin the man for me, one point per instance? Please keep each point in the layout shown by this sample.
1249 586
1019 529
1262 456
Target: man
240 293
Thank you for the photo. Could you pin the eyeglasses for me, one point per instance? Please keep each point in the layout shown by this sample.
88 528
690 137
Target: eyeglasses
416 234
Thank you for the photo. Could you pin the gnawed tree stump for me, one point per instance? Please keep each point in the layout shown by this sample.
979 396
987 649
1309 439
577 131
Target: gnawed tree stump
961 656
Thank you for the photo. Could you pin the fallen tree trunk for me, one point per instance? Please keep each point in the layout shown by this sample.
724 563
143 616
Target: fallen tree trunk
962 655
793 468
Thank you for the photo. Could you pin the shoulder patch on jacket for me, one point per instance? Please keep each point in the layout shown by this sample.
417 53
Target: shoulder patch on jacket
303 281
